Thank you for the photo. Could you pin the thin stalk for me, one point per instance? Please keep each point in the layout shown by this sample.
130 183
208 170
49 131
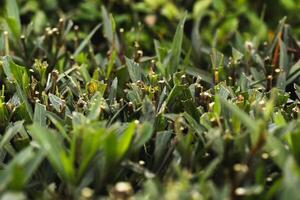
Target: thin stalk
6 43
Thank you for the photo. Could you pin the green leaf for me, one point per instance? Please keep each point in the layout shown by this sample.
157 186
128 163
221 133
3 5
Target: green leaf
294 73
39 116
16 73
10 133
144 133
58 123
279 119
177 91
134 70
236 55
4 114
196 72
283 56
295 140
109 30
217 58
14 27
85 73
162 141
276 36
125 140
281 81
91 142
111 62
196 126
12 18
113 90
57 103
217 105
246 119
97 104
12 10
19 171
13 71
23 98
200 7
297 90
50 143
277 150
176 47
291 180
86 41
110 151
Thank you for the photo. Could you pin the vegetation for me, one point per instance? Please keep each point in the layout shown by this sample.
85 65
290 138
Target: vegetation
158 100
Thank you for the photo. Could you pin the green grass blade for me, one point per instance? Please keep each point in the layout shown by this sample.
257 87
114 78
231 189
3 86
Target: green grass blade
86 41
176 48
40 114
245 118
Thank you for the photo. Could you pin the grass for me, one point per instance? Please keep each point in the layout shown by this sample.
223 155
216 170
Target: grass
98 111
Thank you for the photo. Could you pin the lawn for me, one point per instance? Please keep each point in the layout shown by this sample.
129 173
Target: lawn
150 99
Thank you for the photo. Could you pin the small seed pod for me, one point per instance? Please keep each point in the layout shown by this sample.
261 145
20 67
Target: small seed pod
230 81
10 107
138 55
265 45
295 111
205 99
130 107
214 122
198 89
81 103
241 168
184 79
249 46
161 84
276 74
121 102
268 65
216 76
23 42
153 66
136 44
55 74
76 39
269 82
122 191
61 25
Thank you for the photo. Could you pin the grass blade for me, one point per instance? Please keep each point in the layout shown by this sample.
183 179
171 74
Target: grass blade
86 41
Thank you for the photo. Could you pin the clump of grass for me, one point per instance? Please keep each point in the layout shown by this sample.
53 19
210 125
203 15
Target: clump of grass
80 121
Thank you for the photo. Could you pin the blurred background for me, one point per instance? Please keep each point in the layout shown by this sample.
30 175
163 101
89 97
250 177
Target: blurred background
216 21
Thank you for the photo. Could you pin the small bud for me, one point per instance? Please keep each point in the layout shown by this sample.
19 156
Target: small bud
240 191
140 53
141 162
240 168
55 74
269 82
123 190
87 193
265 156
130 107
